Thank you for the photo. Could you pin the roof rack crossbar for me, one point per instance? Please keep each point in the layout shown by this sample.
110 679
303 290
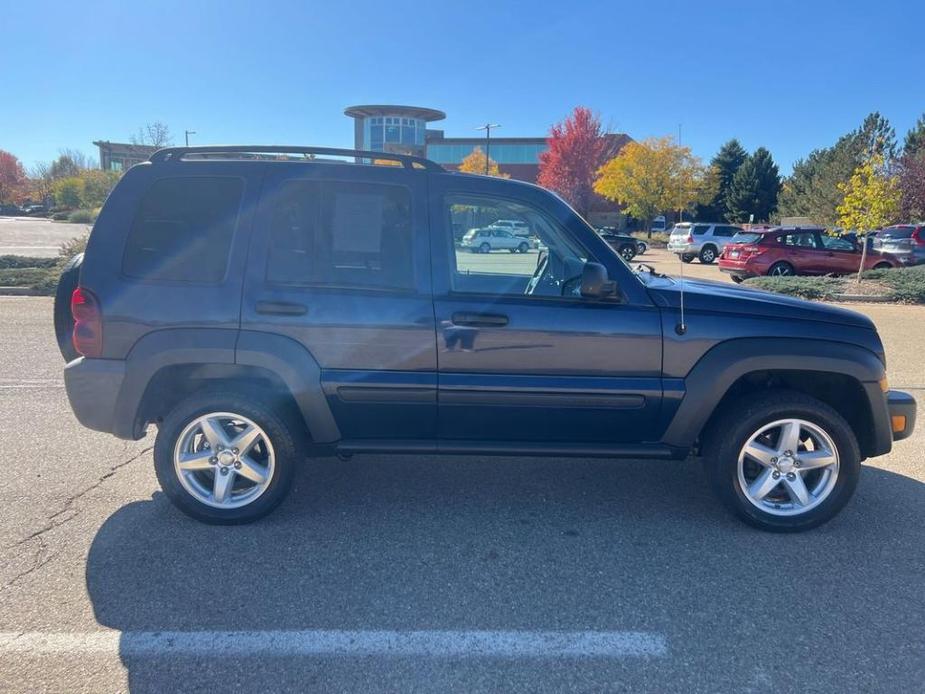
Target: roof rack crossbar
406 160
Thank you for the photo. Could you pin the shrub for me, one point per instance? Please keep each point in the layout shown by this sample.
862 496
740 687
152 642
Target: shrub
22 277
13 262
906 284
803 287
60 216
82 216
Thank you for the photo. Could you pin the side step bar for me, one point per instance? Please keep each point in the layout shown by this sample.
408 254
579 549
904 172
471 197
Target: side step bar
512 448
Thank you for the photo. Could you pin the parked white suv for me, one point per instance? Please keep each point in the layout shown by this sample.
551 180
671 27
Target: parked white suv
515 226
705 241
494 238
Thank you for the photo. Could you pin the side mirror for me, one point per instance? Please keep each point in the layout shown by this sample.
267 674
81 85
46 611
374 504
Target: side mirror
595 283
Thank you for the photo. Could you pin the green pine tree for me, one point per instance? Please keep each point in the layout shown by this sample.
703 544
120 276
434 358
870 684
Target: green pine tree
754 189
915 138
725 164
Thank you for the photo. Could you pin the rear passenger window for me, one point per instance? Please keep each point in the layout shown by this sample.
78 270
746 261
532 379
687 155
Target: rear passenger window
341 234
700 229
183 230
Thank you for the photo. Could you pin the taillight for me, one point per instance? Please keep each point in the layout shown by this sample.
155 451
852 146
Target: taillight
690 238
88 323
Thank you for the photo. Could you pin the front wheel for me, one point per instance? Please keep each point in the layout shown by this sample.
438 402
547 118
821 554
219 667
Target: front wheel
685 258
224 458
523 247
782 461
882 266
485 248
628 252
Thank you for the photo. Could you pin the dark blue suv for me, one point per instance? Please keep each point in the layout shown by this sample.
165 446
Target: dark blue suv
263 304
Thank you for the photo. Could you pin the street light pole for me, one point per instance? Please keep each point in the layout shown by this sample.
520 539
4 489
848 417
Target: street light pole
187 133
487 128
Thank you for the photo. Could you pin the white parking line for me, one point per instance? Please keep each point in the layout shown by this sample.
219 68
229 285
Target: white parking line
479 644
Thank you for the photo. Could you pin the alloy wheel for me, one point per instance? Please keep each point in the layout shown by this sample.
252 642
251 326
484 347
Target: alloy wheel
788 467
224 460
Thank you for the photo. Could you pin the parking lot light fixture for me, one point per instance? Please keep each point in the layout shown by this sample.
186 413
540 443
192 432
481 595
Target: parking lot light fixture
487 128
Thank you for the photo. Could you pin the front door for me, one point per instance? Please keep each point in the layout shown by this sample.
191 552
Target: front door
522 357
340 263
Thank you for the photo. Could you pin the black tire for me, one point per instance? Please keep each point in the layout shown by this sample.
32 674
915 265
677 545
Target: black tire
685 258
523 247
737 279
281 427
64 321
708 254
641 247
782 269
485 248
732 428
883 266
628 251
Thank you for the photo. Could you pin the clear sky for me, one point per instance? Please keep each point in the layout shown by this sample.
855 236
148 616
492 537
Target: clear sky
791 76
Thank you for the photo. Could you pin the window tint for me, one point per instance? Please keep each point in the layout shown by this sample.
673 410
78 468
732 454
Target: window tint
746 237
551 250
803 239
341 234
834 244
183 230
700 229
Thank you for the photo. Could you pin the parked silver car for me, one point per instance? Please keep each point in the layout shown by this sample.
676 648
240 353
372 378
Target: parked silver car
698 240
494 238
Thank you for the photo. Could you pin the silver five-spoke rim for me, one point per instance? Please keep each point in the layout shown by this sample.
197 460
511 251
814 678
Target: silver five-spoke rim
788 467
224 460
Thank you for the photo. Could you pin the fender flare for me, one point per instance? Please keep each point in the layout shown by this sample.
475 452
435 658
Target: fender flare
300 372
714 374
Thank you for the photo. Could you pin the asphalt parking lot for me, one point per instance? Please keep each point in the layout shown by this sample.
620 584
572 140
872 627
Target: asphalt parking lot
416 573
35 236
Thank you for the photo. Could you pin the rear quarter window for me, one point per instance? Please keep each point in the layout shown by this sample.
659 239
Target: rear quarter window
183 230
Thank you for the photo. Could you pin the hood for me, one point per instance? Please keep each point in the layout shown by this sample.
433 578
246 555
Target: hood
723 297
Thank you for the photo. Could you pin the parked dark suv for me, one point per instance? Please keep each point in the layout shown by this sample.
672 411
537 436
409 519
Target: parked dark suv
259 308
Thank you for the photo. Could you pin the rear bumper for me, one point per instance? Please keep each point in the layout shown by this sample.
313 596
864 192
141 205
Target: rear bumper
736 269
683 248
902 409
93 387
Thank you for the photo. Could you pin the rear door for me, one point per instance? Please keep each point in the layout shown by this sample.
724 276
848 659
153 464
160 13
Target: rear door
803 251
340 263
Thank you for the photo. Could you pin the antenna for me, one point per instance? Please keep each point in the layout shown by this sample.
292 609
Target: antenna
681 327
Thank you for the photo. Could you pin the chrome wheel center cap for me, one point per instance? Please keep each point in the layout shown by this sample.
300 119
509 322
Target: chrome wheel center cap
226 458
785 464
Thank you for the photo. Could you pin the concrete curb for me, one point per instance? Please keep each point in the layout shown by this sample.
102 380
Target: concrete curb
20 291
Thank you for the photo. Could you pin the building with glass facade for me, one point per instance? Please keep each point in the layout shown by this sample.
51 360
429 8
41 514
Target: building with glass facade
395 129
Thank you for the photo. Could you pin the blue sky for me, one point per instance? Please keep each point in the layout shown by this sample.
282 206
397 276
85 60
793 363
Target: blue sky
787 75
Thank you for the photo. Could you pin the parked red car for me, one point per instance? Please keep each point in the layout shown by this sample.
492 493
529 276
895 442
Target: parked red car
784 251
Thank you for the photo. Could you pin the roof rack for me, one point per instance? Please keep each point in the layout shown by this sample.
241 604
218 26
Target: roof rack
406 160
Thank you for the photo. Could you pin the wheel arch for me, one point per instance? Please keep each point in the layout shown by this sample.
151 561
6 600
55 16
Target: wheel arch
168 365
844 376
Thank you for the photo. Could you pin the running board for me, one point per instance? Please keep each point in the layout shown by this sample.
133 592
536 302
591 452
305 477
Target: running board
512 448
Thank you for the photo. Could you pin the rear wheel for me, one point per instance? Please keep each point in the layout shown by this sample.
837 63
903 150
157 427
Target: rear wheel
882 266
782 461
485 248
737 279
225 458
781 269
707 254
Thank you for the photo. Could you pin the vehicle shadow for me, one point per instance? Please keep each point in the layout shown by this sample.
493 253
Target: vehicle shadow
524 544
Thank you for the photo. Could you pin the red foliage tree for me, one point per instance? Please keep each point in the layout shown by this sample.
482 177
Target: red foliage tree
912 186
12 176
577 149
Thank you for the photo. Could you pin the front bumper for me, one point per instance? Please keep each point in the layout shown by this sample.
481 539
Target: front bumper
902 409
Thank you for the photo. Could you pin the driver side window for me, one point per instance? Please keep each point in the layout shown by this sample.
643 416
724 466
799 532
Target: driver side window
545 263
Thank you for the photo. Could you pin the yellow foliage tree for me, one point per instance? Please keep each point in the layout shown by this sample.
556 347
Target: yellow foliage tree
475 163
654 176
871 201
